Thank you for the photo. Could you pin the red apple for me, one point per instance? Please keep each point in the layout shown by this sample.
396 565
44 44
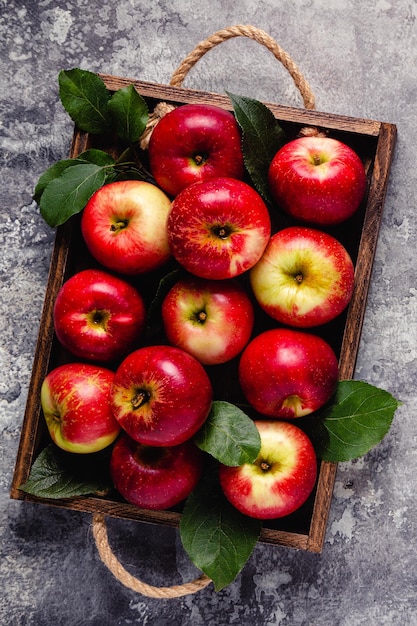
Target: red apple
97 316
282 477
304 278
218 229
75 400
193 143
161 395
124 226
154 477
288 373
318 180
212 320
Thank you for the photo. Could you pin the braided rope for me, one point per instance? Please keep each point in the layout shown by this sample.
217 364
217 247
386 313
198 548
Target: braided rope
257 35
122 575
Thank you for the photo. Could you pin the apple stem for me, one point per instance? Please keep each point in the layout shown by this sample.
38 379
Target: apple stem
264 466
200 159
298 278
199 317
140 398
98 317
221 231
119 225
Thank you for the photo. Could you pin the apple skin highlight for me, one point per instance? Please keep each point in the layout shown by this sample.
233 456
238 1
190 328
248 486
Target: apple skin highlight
212 320
280 480
286 373
194 143
161 395
218 229
318 180
75 403
124 227
304 278
155 478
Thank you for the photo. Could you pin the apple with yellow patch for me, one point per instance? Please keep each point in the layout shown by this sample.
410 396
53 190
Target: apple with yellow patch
75 399
124 226
210 319
304 278
280 480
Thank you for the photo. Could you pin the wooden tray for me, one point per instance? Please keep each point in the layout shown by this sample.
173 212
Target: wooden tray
374 141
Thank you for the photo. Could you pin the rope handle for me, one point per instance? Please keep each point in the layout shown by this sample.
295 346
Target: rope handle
257 35
98 520
122 575
240 30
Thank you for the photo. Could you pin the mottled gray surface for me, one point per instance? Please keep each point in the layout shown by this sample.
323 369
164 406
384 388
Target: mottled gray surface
360 59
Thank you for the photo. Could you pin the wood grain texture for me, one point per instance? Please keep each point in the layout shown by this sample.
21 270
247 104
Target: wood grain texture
180 95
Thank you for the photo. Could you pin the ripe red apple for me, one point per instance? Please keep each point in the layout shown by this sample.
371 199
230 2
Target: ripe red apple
317 179
193 143
212 320
154 477
218 229
282 477
288 373
75 400
161 395
304 278
97 316
124 226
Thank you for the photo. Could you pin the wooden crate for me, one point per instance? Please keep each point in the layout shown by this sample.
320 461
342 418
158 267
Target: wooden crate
374 141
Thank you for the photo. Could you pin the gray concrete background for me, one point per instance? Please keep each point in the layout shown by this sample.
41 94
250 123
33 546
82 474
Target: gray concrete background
360 58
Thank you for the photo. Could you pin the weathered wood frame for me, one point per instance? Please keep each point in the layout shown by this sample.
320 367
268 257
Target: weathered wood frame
375 142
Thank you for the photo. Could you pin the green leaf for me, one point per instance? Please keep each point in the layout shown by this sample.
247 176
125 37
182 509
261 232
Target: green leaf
229 435
129 113
85 97
68 194
357 420
58 474
54 171
217 537
262 137
99 157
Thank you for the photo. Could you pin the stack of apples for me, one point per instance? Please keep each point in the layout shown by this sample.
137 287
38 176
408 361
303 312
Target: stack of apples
148 400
